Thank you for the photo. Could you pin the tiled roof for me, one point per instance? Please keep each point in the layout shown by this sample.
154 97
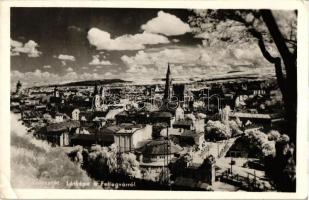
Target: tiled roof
93 137
62 126
184 122
190 133
161 115
159 147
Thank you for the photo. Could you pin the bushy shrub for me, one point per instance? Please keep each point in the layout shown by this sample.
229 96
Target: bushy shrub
281 168
150 174
104 162
130 166
259 140
235 127
216 130
101 162
274 135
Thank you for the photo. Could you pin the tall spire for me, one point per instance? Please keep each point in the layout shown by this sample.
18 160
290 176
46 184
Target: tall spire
168 68
168 83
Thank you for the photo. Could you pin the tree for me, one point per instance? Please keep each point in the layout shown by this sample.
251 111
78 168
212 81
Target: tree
273 135
103 163
130 166
216 130
157 128
164 175
281 168
235 127
177 168
275 34
149 174
278 156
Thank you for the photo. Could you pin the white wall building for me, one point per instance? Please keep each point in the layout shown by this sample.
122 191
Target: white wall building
127 139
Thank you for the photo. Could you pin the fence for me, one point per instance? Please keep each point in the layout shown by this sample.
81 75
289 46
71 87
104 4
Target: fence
249 183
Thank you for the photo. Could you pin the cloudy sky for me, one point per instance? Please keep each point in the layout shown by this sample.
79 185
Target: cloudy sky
53 45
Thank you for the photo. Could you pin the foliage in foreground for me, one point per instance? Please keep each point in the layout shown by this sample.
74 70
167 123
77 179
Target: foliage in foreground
34 164
102 163
278 155
217 130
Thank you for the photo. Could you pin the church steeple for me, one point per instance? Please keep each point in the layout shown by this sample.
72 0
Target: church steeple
168 69
168 84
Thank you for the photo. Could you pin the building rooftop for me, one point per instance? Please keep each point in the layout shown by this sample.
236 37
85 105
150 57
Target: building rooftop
62 126
93 137
160 147
250 115
161 114
183 122
180 132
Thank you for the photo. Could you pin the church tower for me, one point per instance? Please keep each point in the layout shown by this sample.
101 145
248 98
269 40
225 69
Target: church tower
102 93
56 92
97 102
168 84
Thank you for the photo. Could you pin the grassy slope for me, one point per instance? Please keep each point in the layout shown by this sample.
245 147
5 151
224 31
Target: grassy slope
34 164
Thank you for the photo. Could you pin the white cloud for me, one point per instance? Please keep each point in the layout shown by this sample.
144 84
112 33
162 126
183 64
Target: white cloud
89 76
108 74
191 61
96 61
36 77
70 76
29 48
15 53
46 66
15 43
70 69
166 24
74 28
85 67
66 57
102 40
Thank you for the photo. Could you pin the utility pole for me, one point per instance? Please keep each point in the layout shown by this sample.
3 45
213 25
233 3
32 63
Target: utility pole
168 153
218 149
232 165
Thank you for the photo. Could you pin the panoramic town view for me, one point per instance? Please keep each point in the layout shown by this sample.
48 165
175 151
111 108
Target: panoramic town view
153 99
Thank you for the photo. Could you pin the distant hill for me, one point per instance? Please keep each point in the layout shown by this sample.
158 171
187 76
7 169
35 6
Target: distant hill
233 71
93 82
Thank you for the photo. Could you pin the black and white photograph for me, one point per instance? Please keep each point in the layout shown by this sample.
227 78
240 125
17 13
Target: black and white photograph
154 99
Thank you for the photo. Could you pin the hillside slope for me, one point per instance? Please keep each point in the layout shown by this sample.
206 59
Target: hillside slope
35 164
